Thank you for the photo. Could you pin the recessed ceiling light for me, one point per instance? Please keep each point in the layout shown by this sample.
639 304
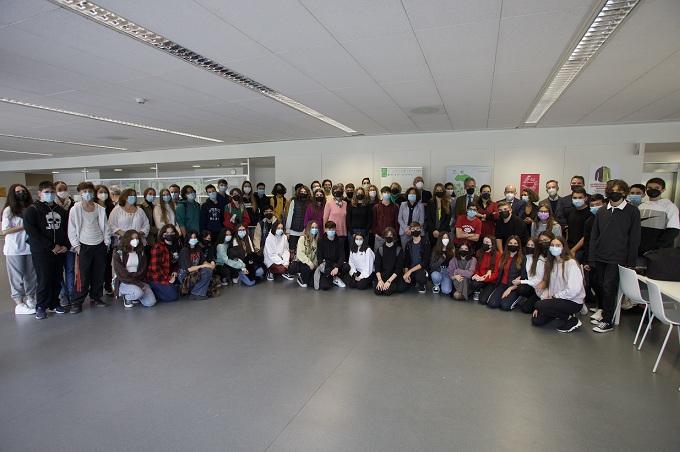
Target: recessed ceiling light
49 140
104 119
118 170
55 172
611 15
24 152
195 166
153 167
112 20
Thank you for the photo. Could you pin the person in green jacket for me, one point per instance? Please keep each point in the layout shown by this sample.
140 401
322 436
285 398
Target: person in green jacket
188 211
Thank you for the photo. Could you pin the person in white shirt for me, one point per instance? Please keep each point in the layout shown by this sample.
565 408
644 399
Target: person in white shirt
130 264
20 270
564 293
126 215
360 262
659 219
276 253
164 211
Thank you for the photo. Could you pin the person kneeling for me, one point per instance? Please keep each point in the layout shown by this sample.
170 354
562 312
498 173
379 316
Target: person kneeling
361 259
276 253
330 255
416 259
389 265
164 264
243 250
509 275
563 298
441 256
305 255
229 270
129 262
461 269
483 282
195 270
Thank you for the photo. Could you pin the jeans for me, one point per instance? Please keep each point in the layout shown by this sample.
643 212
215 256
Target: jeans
132 292
22 280
165 292
441 278
68 283
200 288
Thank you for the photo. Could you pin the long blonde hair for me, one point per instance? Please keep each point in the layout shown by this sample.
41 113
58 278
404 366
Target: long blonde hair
162 204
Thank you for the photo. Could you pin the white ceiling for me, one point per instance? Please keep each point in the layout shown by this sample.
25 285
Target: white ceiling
365 63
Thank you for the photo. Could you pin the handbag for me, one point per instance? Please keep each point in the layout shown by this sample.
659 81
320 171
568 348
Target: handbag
188 282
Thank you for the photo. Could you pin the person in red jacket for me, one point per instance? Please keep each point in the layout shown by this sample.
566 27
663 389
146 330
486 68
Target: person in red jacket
235 213
483 282
384 216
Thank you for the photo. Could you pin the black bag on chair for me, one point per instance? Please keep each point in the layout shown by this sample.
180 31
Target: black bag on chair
663 264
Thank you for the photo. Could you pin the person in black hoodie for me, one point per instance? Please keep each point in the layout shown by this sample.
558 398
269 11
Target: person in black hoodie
212 212
389 265
45 223
330 255
614 241
416 259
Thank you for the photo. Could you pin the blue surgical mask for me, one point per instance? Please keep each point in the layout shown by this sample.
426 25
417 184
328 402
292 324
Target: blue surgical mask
330 234
411 197
48 197
314 231
635 200
212 195
578 203
471 214
227 238
241 233
193 242
223 188
594 209
279 232
150 198
87 196
386 196
525 198
555 250
167 198
132 200
191 196
260 192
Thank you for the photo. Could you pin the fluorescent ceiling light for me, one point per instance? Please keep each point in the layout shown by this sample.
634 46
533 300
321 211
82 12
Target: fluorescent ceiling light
104 119
63 142
611 15
55 172
112 20
118 169
195 166
24 152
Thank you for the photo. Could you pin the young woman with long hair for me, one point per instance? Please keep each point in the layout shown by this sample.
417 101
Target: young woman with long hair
130 264
510 271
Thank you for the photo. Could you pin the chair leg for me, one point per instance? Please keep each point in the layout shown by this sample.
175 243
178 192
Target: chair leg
647 329
642 320
617 312
663 347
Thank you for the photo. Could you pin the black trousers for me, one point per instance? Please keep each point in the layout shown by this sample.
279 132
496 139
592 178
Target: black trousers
593 292
418 277
555 308
530 298
92 272
608 287
485 290
362 284
398 286
326 280
306 273
225 271
49 270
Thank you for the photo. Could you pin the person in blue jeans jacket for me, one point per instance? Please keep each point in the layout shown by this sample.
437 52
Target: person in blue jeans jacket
441 255
195 267
510 269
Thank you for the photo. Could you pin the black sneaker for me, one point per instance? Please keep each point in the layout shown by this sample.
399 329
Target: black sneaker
421 289
40 314
288 276
603 327
571 324
98 303
76 309
128 303
300 282
62 309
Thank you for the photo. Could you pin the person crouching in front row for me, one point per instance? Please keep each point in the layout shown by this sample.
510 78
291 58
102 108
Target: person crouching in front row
130 264
330 256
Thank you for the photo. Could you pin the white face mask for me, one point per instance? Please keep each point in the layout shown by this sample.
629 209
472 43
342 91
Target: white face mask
445 242
419 185
102 196
552 191
134 243
372 194
449 192
62 194
247 189
359 242
509 197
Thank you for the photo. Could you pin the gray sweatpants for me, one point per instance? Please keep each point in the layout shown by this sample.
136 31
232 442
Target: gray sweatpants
132 292
22 279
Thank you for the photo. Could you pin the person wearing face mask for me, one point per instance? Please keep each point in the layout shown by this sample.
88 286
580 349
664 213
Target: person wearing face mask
483 282
564 293
163 266
440 257
438 214
126 215
373 195
468 198
90 238
396 196
164 211
461 269
103 198
45 223
336 211
530 209
349 192
416 259
195 268
315 208
295 218
227 269
487 211
262 229
637 194
188 211
260 201
614 241
130 265
508 225
222 188
564 205
529 287
593 295
423 195
305 256
510 268
409 211
147 205
545 221
276 253
576 222
361 259
235 213
552 188
65 201
660 221
389 264
469 228
330 256
249 202
63 198
212 212
516 203
20 270
244 250
385 215
278 201
359 214
114 192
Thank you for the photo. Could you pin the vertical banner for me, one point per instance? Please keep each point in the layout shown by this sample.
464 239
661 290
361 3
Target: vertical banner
598 176
482 174
531 181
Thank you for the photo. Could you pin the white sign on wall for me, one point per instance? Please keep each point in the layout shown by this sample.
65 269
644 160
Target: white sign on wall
482 174
403 175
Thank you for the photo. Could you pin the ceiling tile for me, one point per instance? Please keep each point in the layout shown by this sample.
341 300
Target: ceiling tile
444 13
14 11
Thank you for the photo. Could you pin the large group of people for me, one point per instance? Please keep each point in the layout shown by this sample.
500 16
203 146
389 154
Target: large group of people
546 258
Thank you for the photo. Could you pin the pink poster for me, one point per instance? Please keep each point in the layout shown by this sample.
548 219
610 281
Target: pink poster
530 180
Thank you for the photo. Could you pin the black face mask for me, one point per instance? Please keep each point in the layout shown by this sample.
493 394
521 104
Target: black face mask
415 232
574 187
320 198
513 248
337 194
361 197
394 191
486 195
22 196
280 191
545 246
470 191
303 195
463 253
169 237
236 198
504 214
350 194
529 250
439 194
486 247
389 239
615 196
268 216
653 192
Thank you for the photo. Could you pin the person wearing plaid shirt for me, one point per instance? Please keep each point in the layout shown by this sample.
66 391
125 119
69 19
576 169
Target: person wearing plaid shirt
163 264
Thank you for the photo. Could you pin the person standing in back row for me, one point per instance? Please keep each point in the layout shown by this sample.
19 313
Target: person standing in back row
468 198
659 218
614 241
564 204
507 226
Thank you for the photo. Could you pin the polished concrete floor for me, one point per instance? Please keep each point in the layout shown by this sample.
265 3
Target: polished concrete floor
279 368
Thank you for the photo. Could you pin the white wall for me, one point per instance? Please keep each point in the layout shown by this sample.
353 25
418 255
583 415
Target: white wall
553 152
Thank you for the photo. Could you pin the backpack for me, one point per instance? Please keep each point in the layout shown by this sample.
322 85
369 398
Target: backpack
663 264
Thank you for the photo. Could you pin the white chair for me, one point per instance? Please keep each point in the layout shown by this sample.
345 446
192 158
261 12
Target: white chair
630 287
670 318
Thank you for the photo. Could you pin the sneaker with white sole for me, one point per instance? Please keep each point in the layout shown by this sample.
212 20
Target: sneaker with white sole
422 289
338 282
475 296
595 321
270 276
22 309
234 280
597 315
571 324
288 276
30 303
128 303
604 327
300 282
435 289
592 309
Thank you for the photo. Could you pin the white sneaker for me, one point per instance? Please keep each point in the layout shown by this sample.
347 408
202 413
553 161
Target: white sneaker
234 280
22 309
270 276
338 282
30 303
626 304
435 289
597 316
